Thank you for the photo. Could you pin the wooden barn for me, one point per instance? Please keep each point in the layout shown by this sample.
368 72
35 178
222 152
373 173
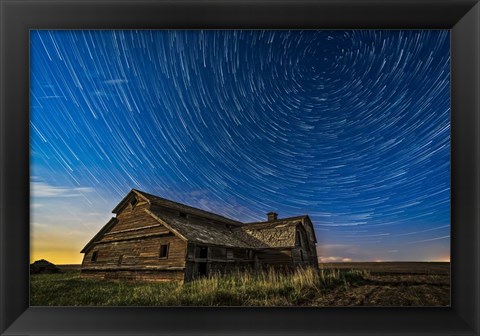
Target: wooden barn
155 239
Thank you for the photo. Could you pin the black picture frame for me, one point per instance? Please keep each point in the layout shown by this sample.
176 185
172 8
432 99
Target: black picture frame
19 16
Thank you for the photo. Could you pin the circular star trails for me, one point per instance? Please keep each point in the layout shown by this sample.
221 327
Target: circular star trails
350 127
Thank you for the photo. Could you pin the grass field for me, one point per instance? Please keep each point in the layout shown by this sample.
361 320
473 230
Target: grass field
345 284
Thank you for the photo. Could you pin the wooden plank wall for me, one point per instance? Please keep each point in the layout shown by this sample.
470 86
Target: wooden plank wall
133 245
274 257
151 276
220 259
141 253
311 241
228 259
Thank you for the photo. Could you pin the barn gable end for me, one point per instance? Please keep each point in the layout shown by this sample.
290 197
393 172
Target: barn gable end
135 245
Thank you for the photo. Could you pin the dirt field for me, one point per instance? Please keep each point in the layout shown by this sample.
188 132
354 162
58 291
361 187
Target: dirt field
393 284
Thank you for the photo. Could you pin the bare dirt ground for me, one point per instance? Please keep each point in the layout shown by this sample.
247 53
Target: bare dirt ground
392 284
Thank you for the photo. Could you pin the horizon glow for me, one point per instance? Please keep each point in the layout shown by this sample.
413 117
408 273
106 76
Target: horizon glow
350 127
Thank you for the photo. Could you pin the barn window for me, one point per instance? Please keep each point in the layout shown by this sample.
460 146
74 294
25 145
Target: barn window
120 259
163 251
133 202
183 215
301 255
94 256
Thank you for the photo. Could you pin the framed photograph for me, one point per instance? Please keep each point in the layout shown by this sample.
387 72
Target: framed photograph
268 164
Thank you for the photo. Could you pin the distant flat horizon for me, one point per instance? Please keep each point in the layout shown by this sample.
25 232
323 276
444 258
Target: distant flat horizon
351 127
341 262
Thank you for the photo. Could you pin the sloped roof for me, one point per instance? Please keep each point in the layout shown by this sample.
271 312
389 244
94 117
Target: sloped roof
278 233
163 202
304 219
277 221
99 234
203 231
212 228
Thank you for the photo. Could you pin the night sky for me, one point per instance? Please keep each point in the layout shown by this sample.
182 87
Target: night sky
349 127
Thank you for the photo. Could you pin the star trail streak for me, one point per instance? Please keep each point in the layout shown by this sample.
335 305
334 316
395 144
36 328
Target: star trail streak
351 127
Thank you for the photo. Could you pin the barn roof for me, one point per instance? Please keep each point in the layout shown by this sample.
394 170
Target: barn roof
99 234
277 221
163 202
209 228
305 219
205 232
278 233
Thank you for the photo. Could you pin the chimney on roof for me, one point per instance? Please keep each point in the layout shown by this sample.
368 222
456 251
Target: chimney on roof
272 216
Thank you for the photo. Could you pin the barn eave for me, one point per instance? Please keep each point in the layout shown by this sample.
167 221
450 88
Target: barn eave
100 233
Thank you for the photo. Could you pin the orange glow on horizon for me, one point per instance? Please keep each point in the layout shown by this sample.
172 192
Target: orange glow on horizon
57 256
56 248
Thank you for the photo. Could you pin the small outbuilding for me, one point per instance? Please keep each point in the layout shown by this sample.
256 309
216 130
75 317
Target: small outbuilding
43 266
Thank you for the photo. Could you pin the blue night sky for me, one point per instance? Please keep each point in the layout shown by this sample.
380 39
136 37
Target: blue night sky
349 127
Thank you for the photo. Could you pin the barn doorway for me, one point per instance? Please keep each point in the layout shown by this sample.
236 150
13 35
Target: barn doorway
202 269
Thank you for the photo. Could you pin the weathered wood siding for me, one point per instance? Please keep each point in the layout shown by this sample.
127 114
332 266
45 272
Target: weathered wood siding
140 253
131 218
131 249
219 259
274 257
218 253
312 248
301 256
302 253
145 275
313 256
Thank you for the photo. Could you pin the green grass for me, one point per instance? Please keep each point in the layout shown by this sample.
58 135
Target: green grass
303 287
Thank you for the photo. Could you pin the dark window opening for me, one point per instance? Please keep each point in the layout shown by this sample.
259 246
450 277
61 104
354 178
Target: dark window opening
301 255
94 256
120 259
202 269
164 251
298 239
202 252
183 214
133 202
250 254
